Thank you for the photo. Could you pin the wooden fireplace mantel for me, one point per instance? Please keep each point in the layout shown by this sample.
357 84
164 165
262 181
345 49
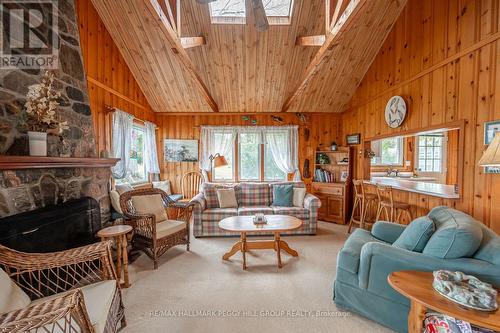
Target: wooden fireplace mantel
33 162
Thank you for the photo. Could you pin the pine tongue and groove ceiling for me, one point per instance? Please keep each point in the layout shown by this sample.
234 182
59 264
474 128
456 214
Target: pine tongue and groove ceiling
238 69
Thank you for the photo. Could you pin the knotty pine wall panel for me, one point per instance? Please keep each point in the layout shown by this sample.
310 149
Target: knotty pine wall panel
109 79
443 57
323 129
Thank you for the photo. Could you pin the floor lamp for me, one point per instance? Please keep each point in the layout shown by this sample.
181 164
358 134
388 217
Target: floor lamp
216 161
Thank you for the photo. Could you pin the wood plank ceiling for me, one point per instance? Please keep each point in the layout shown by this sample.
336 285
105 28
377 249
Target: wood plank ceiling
241 70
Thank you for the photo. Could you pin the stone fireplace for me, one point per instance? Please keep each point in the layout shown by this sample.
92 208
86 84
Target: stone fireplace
24 189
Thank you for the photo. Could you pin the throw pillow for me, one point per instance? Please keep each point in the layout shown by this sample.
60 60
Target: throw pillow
227 198
150 204
416 235
115 201
298 196
163 185
283 195
12 296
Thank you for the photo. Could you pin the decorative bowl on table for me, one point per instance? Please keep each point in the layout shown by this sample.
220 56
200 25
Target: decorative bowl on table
466 290
259 219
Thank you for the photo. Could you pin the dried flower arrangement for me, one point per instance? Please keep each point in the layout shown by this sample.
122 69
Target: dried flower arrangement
41 105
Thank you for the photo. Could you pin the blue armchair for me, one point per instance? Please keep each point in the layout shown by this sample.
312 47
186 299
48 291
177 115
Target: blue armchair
366 260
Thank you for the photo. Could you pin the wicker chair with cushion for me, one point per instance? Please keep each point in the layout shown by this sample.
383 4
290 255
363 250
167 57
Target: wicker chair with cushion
69 291
154 233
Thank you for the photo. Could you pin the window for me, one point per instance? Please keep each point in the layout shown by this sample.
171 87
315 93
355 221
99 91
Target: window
430 153
388 152
234 11
249 156
257 154
137 168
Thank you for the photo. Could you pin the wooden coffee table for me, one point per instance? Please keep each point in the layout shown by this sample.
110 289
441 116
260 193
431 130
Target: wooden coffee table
417 286
275 224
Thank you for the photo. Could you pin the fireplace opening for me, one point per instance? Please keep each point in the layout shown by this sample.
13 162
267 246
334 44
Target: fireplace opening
52 228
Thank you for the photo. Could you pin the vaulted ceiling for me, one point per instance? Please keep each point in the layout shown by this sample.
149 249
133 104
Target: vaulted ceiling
238 69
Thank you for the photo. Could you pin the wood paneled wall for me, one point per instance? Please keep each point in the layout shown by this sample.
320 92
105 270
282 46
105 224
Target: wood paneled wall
109 80
443 57
323 129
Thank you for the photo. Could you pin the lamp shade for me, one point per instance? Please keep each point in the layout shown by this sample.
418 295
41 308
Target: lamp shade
219 161
491 157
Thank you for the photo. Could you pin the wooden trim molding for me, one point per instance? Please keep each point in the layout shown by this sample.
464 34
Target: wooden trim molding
115 92
33 162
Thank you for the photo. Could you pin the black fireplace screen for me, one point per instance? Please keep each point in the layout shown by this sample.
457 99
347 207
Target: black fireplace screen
53 228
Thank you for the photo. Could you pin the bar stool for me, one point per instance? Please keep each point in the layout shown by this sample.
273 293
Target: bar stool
387 204
363 202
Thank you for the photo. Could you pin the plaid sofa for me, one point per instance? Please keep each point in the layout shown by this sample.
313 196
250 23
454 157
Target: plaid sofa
252 198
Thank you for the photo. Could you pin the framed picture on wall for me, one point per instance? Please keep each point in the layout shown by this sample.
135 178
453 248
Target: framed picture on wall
181 150
353 139
490 129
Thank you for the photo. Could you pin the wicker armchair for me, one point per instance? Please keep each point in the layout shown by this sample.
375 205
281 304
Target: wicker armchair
56 284
146 237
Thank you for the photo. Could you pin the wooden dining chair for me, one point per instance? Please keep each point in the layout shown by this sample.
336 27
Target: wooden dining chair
190 184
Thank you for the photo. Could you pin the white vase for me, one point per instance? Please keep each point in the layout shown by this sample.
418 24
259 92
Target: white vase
38 143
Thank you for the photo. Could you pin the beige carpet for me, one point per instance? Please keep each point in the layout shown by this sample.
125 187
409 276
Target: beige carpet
199 292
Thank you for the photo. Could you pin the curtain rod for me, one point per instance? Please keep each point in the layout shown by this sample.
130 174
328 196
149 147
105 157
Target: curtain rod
111 109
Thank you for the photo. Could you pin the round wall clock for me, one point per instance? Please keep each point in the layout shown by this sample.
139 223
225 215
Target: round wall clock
395 111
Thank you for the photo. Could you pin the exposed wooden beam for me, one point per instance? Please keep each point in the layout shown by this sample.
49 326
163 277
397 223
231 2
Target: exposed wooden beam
317 40
338 10
178 50
166 9
189 42
349 49
330 43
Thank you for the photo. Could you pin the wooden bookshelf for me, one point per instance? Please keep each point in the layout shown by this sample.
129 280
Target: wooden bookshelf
335 195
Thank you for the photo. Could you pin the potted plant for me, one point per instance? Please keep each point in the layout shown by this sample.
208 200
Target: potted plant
41 105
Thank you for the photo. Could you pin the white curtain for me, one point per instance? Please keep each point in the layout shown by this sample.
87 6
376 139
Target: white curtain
150 152
122 134
215 140
283 143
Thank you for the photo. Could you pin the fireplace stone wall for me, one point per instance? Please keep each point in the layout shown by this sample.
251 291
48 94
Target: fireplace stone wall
23 190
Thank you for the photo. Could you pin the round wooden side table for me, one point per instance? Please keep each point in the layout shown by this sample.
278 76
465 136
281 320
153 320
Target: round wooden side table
417 286
119 234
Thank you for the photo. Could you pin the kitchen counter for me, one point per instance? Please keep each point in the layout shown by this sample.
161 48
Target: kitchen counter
434 189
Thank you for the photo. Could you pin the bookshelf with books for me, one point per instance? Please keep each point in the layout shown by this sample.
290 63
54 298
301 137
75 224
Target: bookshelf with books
332 183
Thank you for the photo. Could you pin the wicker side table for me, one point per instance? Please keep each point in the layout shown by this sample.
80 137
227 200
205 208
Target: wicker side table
119 234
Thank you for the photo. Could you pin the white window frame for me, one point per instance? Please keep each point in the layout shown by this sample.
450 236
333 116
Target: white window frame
146 175
401 153
239 20
432 173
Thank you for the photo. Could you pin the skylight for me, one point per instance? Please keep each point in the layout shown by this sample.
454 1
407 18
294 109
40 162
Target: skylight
234 11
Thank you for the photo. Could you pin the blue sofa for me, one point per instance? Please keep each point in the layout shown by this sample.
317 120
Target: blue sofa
367 258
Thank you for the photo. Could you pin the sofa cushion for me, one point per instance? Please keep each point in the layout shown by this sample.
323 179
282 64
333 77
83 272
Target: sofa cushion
298 196
150 204
227 198
12 297
490 247
169 227
209 190
416 235
98 298
349 256
457 234
254 194
298 212
283 195
242 211
217 214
